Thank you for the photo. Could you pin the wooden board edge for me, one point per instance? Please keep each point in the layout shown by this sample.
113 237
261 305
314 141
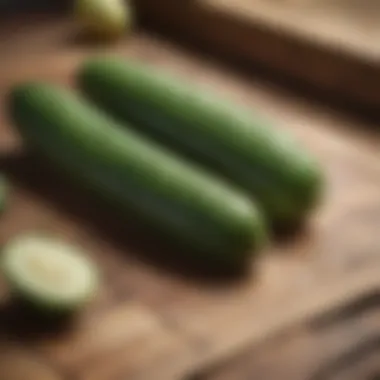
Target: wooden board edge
301 26
341 294
352 78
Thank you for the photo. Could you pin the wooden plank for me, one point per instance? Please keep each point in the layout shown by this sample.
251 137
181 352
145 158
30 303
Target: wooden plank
347 26
18 364
330 47
126 341
344 345
357 287
151 322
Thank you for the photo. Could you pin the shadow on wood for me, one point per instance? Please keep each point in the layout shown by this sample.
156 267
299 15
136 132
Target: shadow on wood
361 305
324 74
346 361
20 322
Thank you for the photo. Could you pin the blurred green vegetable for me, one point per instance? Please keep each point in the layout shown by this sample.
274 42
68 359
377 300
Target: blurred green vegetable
104 19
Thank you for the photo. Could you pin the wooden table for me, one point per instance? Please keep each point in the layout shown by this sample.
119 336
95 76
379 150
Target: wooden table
152 321
342 345
322 46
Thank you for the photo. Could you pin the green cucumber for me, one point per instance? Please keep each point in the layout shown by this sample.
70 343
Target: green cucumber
48 273
284 178
187 204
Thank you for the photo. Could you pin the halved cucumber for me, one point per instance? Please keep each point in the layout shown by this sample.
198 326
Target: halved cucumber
49 273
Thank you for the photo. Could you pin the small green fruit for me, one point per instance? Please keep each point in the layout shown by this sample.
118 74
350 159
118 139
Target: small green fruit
105 19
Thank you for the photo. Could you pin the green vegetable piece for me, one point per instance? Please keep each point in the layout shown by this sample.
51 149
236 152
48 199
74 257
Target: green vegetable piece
48 273
187 204
226 138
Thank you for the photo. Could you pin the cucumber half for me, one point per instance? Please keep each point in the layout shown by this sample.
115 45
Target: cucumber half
48 273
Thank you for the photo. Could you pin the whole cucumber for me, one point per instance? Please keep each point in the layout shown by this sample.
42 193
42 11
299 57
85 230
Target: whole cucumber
184 202
226 138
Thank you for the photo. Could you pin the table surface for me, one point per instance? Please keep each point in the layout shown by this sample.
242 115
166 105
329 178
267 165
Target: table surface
328 46
347 25
150 322
342 345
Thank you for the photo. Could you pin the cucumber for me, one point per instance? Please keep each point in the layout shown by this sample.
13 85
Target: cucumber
169 195
285 179
48 273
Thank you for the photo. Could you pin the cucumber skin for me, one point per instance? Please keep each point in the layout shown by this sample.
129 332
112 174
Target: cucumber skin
266 163
173 197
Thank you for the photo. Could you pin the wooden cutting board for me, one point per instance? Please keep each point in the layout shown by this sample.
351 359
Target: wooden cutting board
328 47
152 321
342 345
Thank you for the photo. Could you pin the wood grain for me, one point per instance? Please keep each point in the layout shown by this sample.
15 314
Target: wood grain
327 47
350 26
341 345
19 364
152 321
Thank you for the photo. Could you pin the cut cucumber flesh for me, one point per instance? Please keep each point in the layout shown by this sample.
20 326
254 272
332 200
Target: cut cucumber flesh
48 272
